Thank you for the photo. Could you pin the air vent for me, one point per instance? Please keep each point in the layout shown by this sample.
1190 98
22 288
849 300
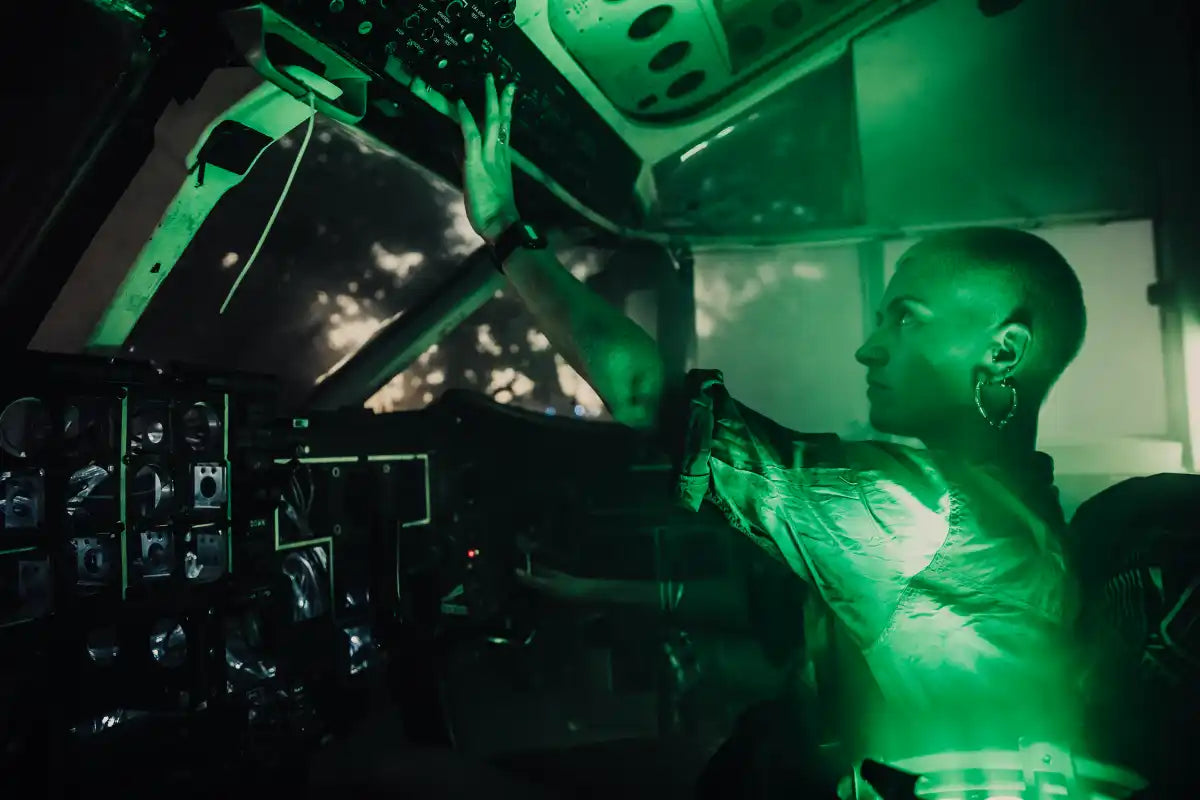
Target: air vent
669 56
650 22
689 83
677 57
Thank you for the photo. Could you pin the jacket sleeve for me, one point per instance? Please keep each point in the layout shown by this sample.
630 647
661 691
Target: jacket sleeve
856 520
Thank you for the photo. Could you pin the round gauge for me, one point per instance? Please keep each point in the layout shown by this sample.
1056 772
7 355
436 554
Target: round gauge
201 427
168 643
25 427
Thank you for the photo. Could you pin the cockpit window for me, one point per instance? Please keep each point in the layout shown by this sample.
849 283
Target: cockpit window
500 352
363 236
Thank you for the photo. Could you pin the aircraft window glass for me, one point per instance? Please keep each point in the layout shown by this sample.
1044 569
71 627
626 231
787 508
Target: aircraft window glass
782 323
363 236
500 352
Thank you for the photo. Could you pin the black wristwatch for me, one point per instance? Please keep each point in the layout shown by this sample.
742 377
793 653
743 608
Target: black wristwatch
516 236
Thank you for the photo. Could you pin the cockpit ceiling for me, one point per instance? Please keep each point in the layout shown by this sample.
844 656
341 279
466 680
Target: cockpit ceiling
785 120
942 115
672 60
662 71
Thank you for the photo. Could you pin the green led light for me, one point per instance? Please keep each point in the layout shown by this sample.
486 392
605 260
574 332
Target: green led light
320 460
120 7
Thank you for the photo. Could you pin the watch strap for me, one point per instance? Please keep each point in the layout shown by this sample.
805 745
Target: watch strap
516 236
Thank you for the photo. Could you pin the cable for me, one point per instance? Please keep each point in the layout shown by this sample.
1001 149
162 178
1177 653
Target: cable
312 488
300 502
287 185
297 496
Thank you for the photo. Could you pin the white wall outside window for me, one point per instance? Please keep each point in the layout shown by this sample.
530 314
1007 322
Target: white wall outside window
783 324
1116 388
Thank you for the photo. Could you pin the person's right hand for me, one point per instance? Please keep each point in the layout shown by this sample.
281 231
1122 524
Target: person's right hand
487 171
560 585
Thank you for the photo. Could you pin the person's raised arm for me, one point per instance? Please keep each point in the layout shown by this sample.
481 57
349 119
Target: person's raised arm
610 351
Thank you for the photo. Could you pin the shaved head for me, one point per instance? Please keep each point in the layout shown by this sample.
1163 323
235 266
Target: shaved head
1021 278
971 305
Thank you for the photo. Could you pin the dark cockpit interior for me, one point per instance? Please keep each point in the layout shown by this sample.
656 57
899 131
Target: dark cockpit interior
304 490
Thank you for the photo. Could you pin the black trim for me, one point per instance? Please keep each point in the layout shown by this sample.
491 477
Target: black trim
516 236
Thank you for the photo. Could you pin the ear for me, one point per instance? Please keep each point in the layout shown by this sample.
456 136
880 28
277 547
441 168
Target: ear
1008 349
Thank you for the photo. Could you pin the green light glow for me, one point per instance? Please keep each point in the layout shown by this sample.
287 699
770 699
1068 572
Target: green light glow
121 7
267 110
1014 774
411 457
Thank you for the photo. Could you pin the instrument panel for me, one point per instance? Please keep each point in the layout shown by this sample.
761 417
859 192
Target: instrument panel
451 48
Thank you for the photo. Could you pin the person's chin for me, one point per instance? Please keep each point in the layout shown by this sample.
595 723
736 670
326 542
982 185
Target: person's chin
885 422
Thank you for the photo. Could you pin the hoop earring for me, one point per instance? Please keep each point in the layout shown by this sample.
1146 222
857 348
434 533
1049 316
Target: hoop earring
1007 383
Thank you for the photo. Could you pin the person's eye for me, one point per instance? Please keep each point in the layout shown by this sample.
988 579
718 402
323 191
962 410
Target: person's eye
907 317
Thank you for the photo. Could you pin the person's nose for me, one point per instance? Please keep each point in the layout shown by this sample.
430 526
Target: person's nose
872 353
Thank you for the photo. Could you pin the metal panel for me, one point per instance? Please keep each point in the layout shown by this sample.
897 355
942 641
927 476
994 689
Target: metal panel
786 166
672 59
1046 110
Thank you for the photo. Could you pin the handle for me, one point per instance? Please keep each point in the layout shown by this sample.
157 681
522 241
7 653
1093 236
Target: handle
340 93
